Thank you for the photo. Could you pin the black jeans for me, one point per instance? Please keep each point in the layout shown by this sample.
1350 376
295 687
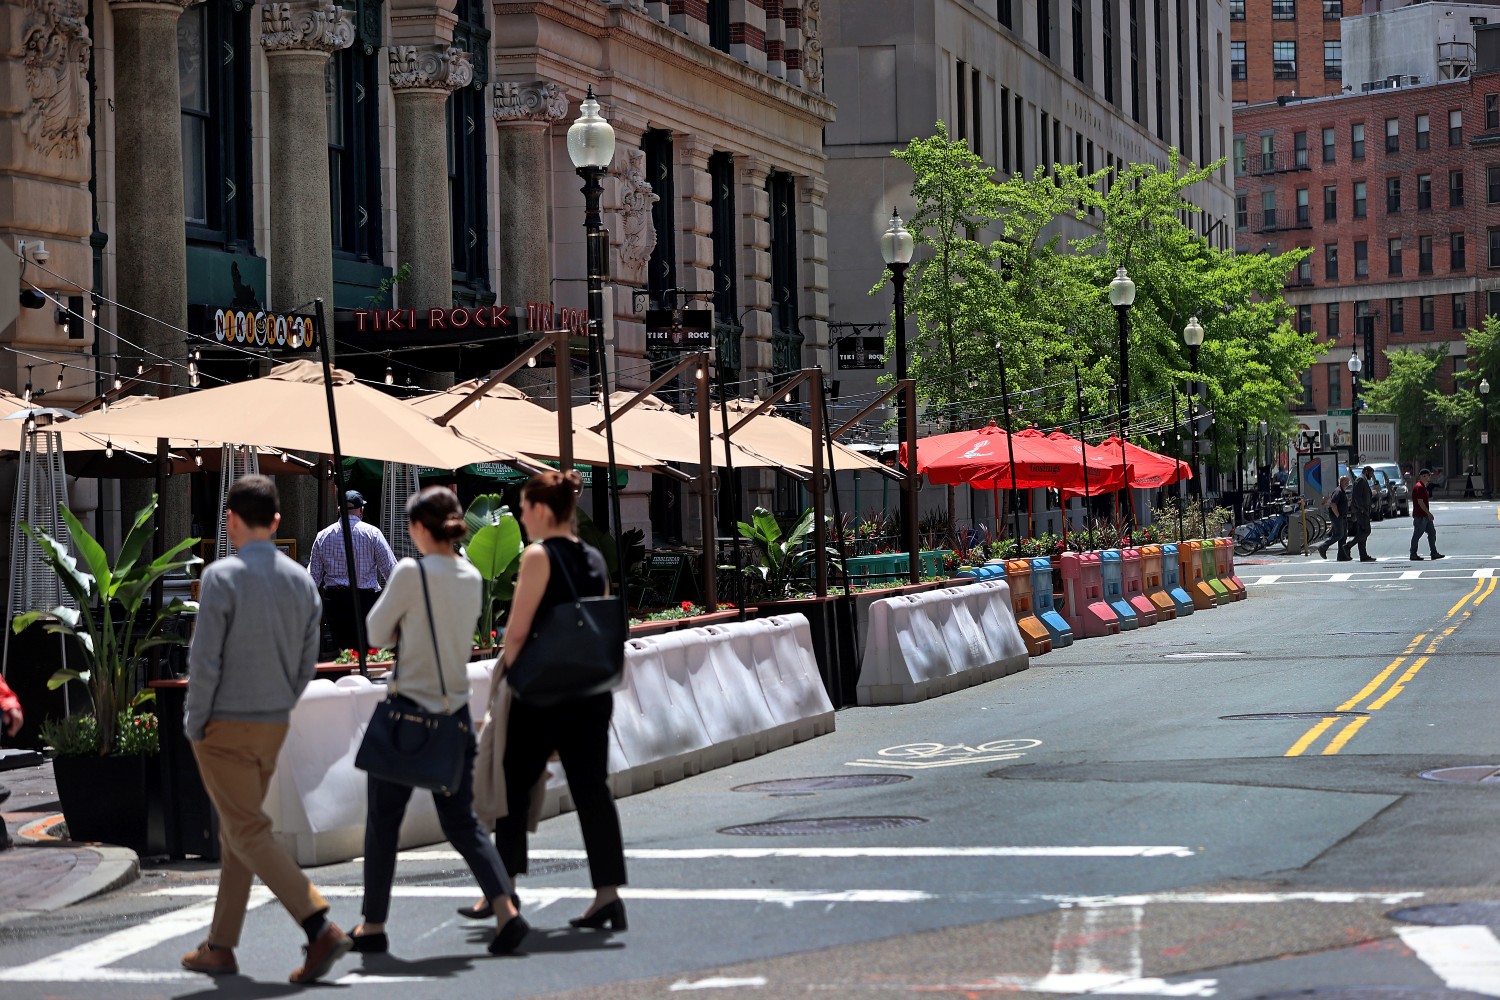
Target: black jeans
579 732
387 807
338 613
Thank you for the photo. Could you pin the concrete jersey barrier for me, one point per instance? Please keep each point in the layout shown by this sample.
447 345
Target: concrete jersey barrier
924 645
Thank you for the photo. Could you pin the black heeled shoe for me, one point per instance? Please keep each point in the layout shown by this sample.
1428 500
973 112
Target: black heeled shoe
486 911
612 913
370 944
508 938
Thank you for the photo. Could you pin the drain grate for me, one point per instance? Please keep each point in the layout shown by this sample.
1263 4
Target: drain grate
827 783
1484 913
1473 774
1207 654
832 824
1293 716
1374 993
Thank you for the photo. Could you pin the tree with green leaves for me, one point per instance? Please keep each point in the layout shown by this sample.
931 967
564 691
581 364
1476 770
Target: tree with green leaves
1409 392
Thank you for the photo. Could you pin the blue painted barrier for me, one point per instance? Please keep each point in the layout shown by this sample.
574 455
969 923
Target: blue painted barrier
1113 572
1171 580
1043 603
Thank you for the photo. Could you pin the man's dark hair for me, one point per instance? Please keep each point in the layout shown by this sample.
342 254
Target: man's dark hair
255 500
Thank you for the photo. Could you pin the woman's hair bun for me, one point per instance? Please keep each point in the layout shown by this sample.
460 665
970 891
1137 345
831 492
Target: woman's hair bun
453 528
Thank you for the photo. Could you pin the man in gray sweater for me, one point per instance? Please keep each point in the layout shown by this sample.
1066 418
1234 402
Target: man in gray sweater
255 647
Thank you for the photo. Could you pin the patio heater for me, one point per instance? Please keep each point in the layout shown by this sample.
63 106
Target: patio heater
398 481
235 463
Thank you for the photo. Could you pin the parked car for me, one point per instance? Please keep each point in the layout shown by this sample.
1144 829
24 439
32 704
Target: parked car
1400 505
1387 497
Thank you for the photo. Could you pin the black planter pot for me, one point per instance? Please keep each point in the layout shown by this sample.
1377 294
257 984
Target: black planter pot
113 800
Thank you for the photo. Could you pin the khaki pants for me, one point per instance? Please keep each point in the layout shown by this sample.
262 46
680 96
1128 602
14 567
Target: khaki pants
236 760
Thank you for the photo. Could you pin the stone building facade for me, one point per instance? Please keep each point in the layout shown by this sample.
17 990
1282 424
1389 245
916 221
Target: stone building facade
204 164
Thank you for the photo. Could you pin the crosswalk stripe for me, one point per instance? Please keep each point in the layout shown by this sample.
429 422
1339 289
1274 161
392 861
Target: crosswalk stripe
757 853
1465 958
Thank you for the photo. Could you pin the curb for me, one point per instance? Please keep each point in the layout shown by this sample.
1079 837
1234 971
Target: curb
117 867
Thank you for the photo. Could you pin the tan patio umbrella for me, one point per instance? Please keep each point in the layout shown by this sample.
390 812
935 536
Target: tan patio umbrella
654 427
288 409
790 443
506 417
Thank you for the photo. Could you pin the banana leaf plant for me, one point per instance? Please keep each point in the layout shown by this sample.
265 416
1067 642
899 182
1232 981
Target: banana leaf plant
784 557
109 600
493 546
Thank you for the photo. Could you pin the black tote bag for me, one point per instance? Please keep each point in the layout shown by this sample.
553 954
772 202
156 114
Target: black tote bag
575 650
406 744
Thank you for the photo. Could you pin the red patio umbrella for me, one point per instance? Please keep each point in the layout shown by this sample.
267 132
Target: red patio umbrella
1105 467
981 458
1148 470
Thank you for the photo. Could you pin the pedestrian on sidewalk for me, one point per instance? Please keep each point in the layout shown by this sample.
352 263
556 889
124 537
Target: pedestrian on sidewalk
1422 522
558 568
254 650
11 720
373 563
1338 512
432 604
1360 506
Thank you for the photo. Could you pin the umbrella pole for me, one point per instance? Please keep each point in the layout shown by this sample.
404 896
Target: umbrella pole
1083 448
820 529
158 546
609 430
1178 435
838 509
338 478
706 487
731 487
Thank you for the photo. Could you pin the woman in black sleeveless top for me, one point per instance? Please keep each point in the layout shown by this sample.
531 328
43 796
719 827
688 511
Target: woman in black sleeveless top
578 730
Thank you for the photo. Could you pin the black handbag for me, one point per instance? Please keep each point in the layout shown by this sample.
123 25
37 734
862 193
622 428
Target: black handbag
406 744
574 650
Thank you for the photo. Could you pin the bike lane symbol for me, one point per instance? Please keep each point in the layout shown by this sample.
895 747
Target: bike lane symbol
923 756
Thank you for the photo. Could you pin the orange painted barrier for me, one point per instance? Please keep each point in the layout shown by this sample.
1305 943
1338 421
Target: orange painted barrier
1224 567
1018 574
1151 583
1145 609
1190 559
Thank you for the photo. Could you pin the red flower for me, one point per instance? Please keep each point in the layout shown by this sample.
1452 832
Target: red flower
687 605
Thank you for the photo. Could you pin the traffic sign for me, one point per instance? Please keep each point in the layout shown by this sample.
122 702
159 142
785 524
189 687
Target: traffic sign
1340 413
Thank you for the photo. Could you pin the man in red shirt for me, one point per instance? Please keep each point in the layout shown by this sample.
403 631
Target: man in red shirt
10 721
1421 518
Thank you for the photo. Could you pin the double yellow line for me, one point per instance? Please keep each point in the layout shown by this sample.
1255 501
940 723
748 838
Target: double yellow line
1373 690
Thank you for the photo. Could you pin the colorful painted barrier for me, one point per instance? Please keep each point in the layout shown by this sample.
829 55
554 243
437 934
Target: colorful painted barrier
1172 581
1132 582
1152 584
1206 550
1190 559
1224 567
1112 570
1084 606
1038 639
1044 603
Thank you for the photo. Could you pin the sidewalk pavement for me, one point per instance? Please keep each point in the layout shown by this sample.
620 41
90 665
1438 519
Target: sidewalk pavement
41 873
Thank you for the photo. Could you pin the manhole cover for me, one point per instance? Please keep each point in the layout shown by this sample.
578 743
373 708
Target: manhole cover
1485 913
1282 716
1486 774
832 824
828 783
1376 993
1207 654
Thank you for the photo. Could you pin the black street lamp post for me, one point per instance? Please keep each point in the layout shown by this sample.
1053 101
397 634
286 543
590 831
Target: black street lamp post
896 247
1192 335
1122 296
1484 435
1355 366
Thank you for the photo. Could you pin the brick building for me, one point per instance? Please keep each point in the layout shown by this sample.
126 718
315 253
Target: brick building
1285 48
1397 193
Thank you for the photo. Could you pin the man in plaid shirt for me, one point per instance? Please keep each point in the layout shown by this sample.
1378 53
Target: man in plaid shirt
373 563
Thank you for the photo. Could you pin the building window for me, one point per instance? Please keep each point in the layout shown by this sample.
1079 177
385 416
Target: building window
1460 312
1331 325
1424 191
1267 153
1422 134
1424 254
1361 259
1328 145
1335 383
786 259
1107 20
1303 215
1284 60
718 24
353 83
1078 39
1268 209
961 99
215 115
1299 150
1457 252
1393 256
1044 27
1492 178
1283 10
1239 156
1135 60
1333 60
1304 319
1357 141
1333 9
1241 211
1359 199
1425 311
1307 392
468 113
1455 128
662 270
1304 277
1393 135
1397 309
1455 188
1491 111
1494 235
725 223
1331 261
1392 194
1003 12
1237 60
1330 202
1236 10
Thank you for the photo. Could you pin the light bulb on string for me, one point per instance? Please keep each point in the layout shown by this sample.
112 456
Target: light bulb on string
59 380
390 376
26 393
531 361
117 383
140 369
193 369
109 449
104 407
198 458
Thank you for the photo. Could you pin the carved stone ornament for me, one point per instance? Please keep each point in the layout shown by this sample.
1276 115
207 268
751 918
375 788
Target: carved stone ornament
638 230
306 24
535 102
812 43
55 40
430 67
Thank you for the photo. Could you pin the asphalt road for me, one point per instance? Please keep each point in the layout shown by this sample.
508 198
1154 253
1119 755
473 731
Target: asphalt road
1100 824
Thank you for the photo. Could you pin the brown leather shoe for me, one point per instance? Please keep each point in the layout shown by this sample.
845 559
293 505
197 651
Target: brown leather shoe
332 945
212 961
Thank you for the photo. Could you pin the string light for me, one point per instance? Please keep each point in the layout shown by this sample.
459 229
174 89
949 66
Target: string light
117 383
193 369
390 376
198 457
109 448
104 407
531 361
59 380
26 395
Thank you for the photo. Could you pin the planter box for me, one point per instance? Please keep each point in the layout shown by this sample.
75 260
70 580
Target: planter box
678 624
113 800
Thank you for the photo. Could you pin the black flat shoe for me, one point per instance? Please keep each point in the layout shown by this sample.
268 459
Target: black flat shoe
486 911
371 944
610 913
508 938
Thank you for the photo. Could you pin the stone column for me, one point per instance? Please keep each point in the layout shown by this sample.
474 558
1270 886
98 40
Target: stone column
812 223
524 116
298 37
150 234
695 261
422 78
754 204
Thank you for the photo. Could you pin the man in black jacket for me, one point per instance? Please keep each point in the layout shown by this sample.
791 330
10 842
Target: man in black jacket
1338 513
1359 510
